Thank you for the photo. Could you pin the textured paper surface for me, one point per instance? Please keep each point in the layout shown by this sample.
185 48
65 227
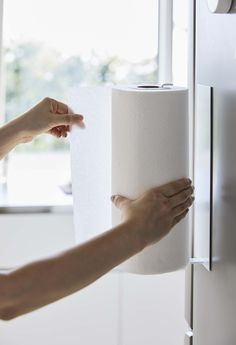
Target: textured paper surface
91 162
150 148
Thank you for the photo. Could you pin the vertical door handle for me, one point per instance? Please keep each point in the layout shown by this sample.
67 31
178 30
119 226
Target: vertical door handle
203 176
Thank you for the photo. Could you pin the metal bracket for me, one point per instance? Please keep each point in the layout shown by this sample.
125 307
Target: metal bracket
201 261
188 337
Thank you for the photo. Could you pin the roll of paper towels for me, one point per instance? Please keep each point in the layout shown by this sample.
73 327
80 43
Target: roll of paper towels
135 138
149 148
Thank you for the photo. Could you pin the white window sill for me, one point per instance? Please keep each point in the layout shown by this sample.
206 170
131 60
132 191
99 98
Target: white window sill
29 197
33 189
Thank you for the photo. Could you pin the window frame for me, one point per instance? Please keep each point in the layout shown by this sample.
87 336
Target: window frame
165 31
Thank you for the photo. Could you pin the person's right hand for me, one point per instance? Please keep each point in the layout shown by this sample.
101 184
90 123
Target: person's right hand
48 116
156 211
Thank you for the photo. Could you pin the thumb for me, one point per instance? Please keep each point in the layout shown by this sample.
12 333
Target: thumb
120 201
67 119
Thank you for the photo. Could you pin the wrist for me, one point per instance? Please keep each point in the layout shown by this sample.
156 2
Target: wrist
19 126
11 133
134 234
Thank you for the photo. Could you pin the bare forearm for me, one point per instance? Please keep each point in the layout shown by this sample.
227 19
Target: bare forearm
46 281
11 135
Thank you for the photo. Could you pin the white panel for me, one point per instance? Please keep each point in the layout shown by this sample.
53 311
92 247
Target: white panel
28 237
153 309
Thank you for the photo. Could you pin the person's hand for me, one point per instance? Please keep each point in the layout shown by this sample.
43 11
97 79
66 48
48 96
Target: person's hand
48 116
156 211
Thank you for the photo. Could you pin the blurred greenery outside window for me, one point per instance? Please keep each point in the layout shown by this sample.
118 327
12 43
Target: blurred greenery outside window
51 47
34 71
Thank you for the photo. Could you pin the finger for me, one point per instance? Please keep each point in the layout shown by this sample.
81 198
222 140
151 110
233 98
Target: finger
53 131
63 133
181 197
120 201
180 217
62 129
174 187
181 208
56 132
67 119
57 107
62 108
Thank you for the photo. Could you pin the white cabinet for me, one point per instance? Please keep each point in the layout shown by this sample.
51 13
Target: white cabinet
30 236
153 309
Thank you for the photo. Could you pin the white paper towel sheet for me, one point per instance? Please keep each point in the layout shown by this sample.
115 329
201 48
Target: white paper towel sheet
91 162
149 147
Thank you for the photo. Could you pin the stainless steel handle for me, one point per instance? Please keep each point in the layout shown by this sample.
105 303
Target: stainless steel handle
203 180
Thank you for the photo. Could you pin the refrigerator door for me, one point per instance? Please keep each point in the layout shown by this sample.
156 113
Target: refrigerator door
214 292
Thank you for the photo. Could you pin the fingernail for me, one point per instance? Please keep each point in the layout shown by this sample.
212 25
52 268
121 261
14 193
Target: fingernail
113 198
79 117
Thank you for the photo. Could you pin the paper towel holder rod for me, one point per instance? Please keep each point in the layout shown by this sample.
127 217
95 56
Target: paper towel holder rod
155 86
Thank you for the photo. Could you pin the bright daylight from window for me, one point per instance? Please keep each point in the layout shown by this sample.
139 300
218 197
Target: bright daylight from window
51 46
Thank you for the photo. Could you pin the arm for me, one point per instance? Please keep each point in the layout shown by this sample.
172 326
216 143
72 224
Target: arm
146 221
42 282
10 136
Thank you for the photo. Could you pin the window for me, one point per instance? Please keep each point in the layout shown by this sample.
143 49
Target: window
51 46
180 42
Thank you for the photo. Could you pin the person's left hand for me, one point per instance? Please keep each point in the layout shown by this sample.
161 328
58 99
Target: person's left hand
48 116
